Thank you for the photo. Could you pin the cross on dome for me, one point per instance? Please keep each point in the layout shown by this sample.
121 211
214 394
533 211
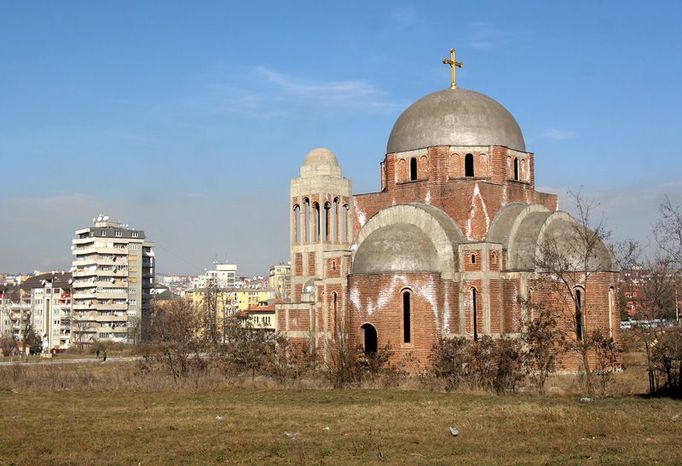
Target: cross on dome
454 64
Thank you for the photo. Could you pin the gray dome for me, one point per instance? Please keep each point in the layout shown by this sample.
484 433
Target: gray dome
399 247
455 117
321 156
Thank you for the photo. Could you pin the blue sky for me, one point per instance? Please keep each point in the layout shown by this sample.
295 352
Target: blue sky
188 119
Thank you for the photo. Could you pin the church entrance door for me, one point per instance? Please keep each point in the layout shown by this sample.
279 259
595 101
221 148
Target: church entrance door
370 334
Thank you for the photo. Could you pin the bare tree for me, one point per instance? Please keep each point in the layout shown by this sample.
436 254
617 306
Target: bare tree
174 338
566 263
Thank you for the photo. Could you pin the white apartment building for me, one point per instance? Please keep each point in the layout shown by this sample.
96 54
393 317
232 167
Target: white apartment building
49 295
44 301
113 270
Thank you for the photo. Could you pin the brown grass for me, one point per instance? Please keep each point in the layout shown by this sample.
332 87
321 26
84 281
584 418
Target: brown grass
118 417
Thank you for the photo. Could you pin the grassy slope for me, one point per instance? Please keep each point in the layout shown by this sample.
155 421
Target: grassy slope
364 427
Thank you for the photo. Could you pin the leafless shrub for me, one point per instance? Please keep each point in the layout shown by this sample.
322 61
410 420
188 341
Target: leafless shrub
607 354
489 364
543 343
173 341
8 345
666 360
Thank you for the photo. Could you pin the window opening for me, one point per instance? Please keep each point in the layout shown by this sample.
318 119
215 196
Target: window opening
413 169
469 165
474 308
406 317
578 315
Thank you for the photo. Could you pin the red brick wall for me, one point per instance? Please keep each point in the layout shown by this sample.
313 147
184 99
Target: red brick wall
471 265
447 189
299 320
298 264
380 303
311 263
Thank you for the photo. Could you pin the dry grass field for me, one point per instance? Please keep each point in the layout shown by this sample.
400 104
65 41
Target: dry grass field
51 422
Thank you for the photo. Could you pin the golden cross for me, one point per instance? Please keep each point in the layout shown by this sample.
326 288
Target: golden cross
453 65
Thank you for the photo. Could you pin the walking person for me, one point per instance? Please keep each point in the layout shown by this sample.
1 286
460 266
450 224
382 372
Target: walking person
105 356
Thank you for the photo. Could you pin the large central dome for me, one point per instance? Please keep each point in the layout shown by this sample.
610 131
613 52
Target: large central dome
455 117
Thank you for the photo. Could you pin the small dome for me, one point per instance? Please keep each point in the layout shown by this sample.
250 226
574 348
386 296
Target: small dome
400 247
321 156
455 117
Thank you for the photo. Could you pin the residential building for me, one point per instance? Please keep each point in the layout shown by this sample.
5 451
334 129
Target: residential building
13 314
48 296
261 316
280 280
113 270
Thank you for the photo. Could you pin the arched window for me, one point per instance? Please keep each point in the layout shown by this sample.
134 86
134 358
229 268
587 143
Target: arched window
316 209
297 224
335 220
469 165
307 218
612 300
327 222
473 258
334 304
344 225
333 265
413 169
578 314
407 323
516 169
474 311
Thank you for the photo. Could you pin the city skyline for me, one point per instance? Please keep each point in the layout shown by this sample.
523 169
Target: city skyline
203 115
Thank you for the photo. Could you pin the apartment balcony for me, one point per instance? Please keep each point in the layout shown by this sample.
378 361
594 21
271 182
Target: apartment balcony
85 316
111 307
118 294
100 250
84 273
79 241
81 262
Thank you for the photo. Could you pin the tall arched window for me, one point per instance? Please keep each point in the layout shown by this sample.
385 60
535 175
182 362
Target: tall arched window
407 323
612 305
344 224
578 314
413 169
335 220
334 305
474 311
469 165
516 169
327 223
297 224
307 217
316 231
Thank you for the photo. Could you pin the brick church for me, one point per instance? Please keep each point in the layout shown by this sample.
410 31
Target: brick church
448 245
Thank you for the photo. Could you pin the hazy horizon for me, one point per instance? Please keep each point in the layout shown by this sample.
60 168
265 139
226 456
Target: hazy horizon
188 121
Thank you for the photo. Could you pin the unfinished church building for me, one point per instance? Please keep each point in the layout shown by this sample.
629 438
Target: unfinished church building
446 248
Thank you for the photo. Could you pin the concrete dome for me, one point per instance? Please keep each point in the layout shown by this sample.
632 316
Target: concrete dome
320 156
400 247
455 117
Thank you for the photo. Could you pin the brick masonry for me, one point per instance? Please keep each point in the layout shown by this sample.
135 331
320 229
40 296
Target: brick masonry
461 212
